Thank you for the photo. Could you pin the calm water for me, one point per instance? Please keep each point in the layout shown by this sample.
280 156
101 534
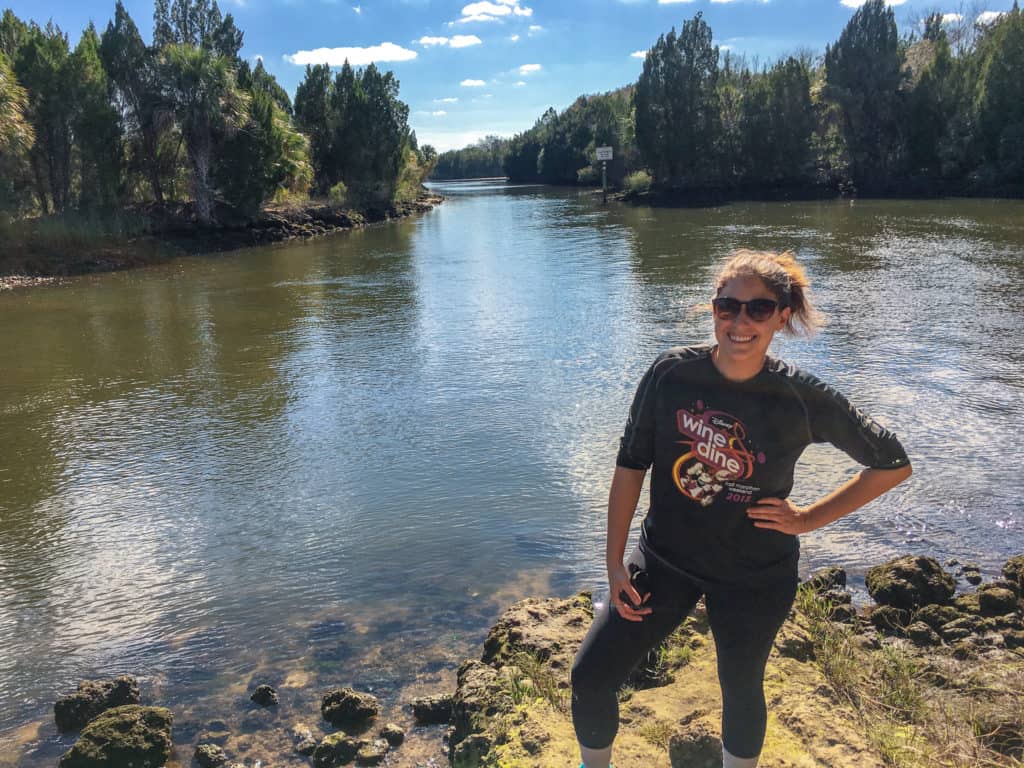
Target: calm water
336 462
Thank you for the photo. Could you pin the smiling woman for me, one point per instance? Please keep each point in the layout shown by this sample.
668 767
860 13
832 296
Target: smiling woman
722 426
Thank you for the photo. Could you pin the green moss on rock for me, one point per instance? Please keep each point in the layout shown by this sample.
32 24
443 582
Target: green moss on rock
123 736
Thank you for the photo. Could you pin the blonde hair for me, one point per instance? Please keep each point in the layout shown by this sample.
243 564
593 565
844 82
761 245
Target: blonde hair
781 273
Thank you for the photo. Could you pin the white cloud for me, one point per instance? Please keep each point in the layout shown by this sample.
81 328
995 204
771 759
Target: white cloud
464 41
474 17
443 140
520 83
988 17
439 113
639 54
446 100
951 18
514 38
357 8
472 83
673 2
535 28
257 57
529 69
357 57
457 41
859 3
484 11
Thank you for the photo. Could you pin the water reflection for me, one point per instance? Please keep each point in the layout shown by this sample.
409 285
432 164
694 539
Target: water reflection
337 461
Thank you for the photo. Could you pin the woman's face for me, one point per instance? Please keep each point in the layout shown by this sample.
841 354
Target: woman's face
741 339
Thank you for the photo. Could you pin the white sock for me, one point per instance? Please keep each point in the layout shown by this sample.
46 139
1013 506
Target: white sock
596 758
731 761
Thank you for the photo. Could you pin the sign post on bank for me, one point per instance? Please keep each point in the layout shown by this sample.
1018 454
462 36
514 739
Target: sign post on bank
604 154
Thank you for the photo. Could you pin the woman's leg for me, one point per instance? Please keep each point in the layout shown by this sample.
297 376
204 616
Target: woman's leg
610 651
744 623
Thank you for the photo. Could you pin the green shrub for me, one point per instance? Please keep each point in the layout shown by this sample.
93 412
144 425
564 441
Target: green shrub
638 181
588 176
338 194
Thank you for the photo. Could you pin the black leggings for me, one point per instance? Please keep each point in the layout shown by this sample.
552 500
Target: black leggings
744 622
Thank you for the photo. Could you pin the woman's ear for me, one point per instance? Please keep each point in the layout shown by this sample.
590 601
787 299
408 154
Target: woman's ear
784 316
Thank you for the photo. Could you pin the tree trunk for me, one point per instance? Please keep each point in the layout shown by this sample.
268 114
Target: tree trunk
199 147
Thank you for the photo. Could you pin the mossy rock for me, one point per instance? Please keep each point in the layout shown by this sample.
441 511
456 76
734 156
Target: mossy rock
827 579
73 711
910 582
1013 571
336 749
935 616
889 619
123 736
348 707
995 600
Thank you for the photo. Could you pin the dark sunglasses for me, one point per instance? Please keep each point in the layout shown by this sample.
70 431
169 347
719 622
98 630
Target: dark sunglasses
758 310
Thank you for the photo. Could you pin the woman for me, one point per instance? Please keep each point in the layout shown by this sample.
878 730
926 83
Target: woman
723 426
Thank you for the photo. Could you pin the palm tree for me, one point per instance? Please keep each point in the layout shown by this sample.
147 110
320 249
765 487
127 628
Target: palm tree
16 134
208 105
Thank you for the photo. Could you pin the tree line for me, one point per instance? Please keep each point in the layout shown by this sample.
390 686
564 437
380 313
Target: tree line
116 121
879 113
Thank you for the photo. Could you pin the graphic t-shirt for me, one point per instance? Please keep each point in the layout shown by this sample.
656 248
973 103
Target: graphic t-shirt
718 446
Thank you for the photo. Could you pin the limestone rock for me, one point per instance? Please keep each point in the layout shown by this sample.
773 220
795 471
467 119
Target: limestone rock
392 734
827 579
372 753
123 736
910 582
210 756
346 707
935 616
995 601
889 619
1013 571
432 710
481 694
336 749
265 696
923 635
76 709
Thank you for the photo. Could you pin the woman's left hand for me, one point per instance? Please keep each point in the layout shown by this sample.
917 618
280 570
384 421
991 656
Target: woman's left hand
780 515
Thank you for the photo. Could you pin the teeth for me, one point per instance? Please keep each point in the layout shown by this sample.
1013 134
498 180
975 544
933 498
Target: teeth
740 338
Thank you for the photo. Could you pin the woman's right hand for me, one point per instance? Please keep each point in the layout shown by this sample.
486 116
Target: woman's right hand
619 586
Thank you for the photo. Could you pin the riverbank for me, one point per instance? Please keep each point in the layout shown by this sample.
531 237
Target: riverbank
926 676
923 678
46 250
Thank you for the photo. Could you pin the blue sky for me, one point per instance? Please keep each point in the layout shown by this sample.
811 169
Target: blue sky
471 69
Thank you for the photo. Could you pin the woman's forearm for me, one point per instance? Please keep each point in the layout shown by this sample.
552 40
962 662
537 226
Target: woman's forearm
866 486
622 500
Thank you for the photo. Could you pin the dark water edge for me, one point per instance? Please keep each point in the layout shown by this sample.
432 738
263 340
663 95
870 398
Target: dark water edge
911 189
171 232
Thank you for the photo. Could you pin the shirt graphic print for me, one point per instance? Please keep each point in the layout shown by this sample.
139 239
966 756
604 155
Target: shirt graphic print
718 456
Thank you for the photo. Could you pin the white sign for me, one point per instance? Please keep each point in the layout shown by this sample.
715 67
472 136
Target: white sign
604 153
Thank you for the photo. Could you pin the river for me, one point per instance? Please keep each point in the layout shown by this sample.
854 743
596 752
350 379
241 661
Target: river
335 462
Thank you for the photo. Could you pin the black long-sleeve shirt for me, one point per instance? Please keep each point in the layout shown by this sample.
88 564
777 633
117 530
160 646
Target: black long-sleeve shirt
718 446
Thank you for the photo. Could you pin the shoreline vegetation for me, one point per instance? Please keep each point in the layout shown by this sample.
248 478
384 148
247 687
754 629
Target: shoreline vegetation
42 251
929 675
117 147
933 110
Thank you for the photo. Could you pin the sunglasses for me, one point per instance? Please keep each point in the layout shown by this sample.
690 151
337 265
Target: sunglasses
758 310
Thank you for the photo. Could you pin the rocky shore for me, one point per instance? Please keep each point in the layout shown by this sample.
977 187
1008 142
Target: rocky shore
931 674
43 257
